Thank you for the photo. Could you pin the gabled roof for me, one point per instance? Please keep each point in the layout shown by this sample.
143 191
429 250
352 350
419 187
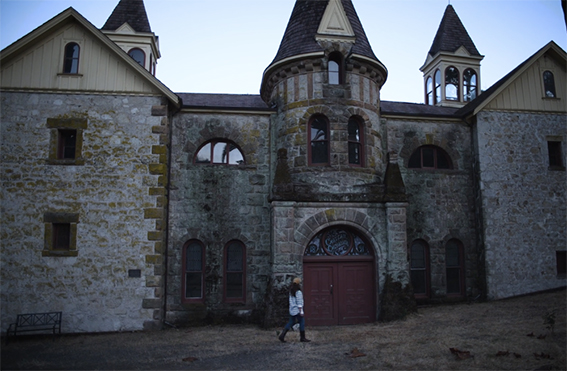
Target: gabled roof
486 97
132 12
451 35
299 36
71 15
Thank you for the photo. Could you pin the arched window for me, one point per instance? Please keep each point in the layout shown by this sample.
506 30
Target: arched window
437 82
319 140
235 272
419 268
430 157
451 83
71 62
549 84
469 85
193 271
220 152
139 56
355 142
454 263
429 92
335 68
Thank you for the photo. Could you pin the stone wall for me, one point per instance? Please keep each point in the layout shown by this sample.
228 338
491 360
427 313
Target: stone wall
216 204
114 195
441 202
523 201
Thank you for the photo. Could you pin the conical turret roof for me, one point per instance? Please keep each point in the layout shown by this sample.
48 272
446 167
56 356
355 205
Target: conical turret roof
131 11
451 35
299 36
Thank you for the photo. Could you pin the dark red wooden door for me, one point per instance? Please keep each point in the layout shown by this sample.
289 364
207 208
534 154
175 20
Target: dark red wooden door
340 293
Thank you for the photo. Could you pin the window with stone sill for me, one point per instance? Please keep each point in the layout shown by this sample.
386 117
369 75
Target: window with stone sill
430 157
336 70
60 238
219 152
66 141
355 142
235 272
318 132
193 281
455 268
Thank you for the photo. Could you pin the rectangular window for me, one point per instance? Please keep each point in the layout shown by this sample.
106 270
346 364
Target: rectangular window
67 144
561 257
235 261
60 234
193 271
555 154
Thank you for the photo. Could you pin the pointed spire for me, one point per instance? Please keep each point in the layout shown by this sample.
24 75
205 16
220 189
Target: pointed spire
451 35
132 12
305 21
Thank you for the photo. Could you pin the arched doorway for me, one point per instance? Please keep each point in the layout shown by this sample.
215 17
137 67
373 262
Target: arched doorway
339 278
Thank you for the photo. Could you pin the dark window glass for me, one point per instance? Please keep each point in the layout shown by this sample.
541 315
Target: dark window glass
429 92
319 133
419 268
71 62
561 257
335 69
194 253
437 86
354 141
139 56
549 84
454 267
451 83
67 144
555 153
61 236
219 152
234 283
430 157
469 85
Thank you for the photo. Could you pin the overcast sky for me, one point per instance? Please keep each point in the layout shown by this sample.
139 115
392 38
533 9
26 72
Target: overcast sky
224 46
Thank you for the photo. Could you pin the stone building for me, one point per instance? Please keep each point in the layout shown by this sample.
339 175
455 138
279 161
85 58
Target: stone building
128 206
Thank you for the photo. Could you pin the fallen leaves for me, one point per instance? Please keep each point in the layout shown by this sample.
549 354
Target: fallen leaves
461 354
355 353
542 355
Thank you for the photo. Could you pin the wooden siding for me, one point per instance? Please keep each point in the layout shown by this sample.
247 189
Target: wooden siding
40 66
526 91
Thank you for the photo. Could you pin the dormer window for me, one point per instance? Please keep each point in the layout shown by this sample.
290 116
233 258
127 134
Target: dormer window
549 84
469 85
71 62
139 56
335 68
451 83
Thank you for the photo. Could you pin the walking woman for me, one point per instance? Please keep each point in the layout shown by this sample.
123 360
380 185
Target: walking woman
295 311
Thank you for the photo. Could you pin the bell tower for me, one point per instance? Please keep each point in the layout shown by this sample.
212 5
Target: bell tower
451 72
129 28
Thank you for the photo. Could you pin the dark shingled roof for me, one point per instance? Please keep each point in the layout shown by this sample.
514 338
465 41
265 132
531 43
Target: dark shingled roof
131 11
224 101
299 36
451 35
416 109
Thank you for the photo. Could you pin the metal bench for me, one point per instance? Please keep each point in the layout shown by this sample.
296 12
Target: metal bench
35 322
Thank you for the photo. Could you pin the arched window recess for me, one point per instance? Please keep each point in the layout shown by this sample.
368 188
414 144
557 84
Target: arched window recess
219 152
430 157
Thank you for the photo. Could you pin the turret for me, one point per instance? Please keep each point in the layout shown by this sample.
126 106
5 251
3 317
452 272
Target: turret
325 81
129 28
451 72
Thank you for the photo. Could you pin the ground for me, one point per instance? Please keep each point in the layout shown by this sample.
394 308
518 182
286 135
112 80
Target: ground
512 334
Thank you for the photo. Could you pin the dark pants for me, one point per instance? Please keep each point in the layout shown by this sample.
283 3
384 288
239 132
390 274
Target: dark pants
296 319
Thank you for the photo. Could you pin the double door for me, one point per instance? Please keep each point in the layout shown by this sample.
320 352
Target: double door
339 293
